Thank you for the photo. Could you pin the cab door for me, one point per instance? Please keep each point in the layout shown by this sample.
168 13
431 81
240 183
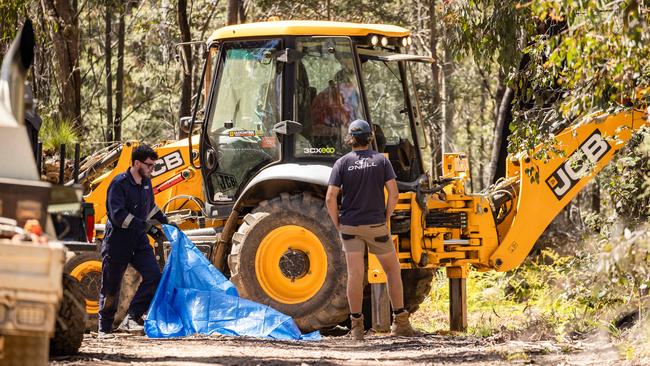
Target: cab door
245 103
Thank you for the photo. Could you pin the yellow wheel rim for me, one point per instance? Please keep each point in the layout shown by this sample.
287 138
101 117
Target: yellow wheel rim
80 272
291 264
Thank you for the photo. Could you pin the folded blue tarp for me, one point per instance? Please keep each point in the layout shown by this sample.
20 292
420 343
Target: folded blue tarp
194 297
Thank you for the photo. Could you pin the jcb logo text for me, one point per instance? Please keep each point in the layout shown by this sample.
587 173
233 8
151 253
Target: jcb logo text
577 165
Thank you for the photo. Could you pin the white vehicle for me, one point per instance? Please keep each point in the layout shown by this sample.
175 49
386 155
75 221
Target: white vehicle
39 312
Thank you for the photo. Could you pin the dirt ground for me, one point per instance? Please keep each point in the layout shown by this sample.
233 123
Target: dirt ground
428 349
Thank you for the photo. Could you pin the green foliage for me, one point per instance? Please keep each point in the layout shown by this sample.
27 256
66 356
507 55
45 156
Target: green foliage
591 55
489 31
628 180
12 14
368 11
55 133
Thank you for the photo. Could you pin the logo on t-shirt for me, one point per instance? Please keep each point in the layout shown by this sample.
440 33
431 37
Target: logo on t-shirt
362 163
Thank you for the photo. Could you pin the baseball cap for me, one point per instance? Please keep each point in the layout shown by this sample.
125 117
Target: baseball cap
359 127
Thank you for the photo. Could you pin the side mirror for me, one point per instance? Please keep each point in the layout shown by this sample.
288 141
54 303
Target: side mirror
185 124
287 127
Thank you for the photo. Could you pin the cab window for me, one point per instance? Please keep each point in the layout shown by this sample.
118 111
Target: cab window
327 96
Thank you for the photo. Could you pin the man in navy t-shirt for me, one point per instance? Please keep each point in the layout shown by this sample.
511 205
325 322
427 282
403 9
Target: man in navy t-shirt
361 176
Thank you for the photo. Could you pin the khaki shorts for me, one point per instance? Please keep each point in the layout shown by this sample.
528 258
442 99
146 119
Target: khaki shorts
375 236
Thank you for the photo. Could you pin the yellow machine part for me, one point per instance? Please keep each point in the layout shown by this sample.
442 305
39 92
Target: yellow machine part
306 28
173 160
81 271
540 188
268 264
546 186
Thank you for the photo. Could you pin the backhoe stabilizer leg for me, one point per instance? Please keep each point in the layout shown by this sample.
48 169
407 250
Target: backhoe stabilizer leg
458 298
379 300
380 307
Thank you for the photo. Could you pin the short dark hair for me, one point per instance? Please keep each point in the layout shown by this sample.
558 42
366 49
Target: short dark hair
142 152
359 140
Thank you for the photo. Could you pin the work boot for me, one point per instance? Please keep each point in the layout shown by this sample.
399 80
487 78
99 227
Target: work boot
401 325
103 334
357 328
130 325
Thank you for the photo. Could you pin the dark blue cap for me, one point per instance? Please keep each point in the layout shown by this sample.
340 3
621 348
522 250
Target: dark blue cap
359 127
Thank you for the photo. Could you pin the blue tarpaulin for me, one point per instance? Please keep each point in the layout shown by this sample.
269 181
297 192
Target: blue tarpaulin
193 297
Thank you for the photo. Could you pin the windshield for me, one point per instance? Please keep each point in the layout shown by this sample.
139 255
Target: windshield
246 106
327 94
248 94
387 105
386 100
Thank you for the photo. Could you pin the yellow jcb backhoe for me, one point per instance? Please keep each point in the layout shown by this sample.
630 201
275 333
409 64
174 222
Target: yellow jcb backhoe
277 99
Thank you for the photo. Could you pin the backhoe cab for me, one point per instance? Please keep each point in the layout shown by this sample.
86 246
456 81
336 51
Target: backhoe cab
278 97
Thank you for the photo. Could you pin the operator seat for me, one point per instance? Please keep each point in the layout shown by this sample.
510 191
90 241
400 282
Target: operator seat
403 158
305 95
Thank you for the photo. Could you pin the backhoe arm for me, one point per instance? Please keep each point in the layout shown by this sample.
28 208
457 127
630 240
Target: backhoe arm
547 186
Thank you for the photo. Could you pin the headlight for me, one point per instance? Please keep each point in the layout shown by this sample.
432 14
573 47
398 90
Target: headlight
384 41
404 42
374 40
409 40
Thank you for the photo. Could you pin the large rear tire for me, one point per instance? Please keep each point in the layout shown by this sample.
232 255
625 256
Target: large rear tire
25 350
417 286
86 267
287 254
70 320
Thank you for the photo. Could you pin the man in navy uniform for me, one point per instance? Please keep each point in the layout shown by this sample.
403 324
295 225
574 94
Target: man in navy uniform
131 210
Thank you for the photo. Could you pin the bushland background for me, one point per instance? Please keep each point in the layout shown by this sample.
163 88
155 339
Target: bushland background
504 72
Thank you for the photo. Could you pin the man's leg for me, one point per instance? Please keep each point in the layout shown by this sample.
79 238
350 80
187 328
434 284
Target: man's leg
401 325
390 264
145 263
356 271
109 295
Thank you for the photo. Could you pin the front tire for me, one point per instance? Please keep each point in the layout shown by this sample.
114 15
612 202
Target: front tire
287 254
70 320
86 267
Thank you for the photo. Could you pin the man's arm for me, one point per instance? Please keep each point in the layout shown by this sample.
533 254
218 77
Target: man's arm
332 204
393 196
155 212
117 212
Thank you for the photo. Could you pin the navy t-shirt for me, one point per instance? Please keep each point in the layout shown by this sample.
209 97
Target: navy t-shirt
361 175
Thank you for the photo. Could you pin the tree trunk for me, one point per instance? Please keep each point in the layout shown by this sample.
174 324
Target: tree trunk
470 143
233 12
119 76
499 146
110 137
242 12
186 86
447 102
595 196
435 128
481 155
64 32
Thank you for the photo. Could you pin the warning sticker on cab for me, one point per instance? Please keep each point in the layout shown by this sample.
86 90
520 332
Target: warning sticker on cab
241 133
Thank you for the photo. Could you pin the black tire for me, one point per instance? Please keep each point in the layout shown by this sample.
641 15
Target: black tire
417 286
25 350
83 267
329 305
70 320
